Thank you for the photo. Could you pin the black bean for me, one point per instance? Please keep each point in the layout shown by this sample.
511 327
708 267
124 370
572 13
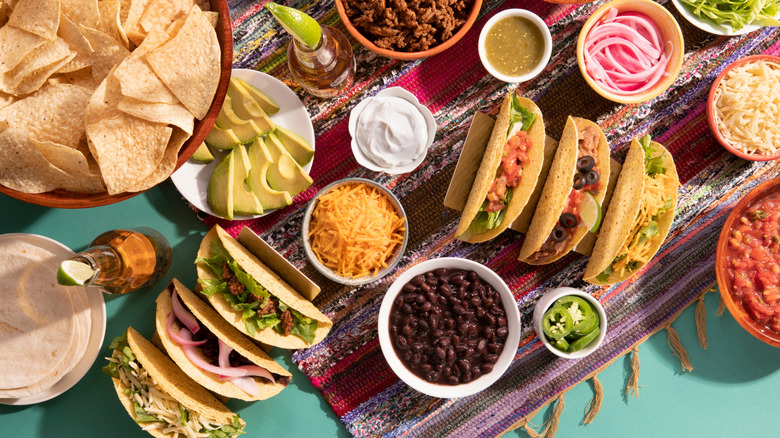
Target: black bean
453 380
486 367
490 358
427 367
432 376
401 343
450 354
481 344
457 279
493 347
476 302
432 297
417 347
399 300
433 281
465 377
425 287
502 332
487 302
407 330
463 329
440 352
444 341
501 321
445 290
409 287
417 280
426 306
468 353
407 309
446 371
472 276
479 312
488 331
441 272
422 324
490 319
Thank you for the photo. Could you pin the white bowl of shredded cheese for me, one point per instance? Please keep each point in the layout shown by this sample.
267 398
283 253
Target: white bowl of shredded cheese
391 131
354 231
744 108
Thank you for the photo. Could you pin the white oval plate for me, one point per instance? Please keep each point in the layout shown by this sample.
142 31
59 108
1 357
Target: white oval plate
710 26
192 179
98 325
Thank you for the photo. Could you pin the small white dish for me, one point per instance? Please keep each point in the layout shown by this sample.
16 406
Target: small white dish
398 92
505 358
540 24
192 179
97 309
711 26
547 300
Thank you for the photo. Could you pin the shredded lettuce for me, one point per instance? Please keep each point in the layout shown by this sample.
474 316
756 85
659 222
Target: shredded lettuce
653 165
736 14
302 326
519 114
119 343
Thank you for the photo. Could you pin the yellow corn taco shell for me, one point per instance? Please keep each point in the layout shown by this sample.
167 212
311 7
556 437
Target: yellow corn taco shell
487 172
228 335
268 279
555 193
635 193
171 381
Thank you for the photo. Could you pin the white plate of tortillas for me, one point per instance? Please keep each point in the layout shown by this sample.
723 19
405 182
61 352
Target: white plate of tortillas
51 334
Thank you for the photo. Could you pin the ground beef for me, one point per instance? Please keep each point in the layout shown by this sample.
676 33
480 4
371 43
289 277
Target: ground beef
234 286
287 322
270 307
407 25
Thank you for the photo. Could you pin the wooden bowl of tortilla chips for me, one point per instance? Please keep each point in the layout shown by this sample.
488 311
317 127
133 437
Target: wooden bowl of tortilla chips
100 103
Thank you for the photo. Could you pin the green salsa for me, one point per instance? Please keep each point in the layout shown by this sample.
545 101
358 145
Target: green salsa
514 46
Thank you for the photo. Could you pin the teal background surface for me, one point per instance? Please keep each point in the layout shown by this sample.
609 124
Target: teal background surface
733 390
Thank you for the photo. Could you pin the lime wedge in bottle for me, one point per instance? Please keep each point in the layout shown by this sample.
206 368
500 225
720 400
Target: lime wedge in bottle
590 212
301 26
74 273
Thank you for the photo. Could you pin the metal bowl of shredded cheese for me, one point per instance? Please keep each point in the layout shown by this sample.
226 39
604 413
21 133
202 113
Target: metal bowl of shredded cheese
744 108
354 231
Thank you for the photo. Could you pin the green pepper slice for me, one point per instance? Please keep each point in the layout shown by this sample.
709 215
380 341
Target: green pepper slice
557 322
581 312
584 341
561 344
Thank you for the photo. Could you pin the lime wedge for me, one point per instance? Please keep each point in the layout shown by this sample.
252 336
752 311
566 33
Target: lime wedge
73 273
590 212
301 26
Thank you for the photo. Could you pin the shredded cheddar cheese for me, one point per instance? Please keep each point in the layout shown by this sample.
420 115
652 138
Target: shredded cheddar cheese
355 230
636 249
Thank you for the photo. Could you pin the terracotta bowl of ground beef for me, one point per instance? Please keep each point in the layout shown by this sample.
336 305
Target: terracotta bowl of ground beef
408 30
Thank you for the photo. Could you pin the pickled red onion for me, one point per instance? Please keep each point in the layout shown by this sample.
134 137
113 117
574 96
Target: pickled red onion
203 364
173 334
624 53
184 315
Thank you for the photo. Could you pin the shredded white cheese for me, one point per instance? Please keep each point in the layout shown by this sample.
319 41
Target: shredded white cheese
747 108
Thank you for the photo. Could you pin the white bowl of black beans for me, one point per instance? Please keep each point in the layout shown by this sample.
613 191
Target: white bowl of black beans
449 327
553 297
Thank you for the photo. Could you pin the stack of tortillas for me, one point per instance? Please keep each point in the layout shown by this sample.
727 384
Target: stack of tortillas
44 327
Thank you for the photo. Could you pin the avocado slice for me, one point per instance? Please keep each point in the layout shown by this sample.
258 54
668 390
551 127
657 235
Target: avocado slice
246 108
220 193
260 161
262 99
244 200
202 154
285 174
222 138
245 130
298 148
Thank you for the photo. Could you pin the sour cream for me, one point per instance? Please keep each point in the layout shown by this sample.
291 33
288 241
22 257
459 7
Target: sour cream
391 132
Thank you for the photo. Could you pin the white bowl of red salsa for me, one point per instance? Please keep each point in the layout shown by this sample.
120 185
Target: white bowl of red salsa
747 262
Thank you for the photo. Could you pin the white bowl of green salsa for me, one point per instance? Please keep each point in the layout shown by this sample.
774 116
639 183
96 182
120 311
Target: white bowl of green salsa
515 45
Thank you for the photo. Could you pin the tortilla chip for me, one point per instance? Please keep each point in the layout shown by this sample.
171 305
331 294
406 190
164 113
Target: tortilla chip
70 32
82 12
104 101
110 22
54 113
167 163
132 24
127 149
159 14
137 78
23 168
5 12
194 75
15 44
41 17
36 67
5 100
268 279
81 77
74 164
108 52
173 114
224 332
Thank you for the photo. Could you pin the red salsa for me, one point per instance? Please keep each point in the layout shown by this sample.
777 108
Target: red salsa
509 171
753 261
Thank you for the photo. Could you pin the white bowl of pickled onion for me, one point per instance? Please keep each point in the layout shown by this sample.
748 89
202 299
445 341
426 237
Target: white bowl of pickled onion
630 51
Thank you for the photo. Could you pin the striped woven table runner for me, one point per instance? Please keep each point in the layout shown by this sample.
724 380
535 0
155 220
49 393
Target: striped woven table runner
348 367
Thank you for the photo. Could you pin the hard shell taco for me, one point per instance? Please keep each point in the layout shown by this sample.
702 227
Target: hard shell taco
160 398
577 180
211 351
508 173
640 214
253 298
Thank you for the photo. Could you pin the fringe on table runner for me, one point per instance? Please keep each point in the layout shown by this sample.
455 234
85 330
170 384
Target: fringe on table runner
632 388
594 405
701 321
552 424
678 349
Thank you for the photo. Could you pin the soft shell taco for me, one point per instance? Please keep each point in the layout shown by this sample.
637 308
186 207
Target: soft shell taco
508 173
640 214
162 399
577 180
253 298
211 351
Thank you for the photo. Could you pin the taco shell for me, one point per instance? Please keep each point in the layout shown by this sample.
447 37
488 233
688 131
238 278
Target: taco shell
624 208
268 279
555 194
224 332
172 382
489 165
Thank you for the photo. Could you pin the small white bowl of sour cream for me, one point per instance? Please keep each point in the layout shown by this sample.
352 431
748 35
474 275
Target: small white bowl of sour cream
391 131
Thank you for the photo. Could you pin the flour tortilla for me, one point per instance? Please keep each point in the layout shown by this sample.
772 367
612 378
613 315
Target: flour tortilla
623 209
556 190
171 381
227 334
268 279
487 172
